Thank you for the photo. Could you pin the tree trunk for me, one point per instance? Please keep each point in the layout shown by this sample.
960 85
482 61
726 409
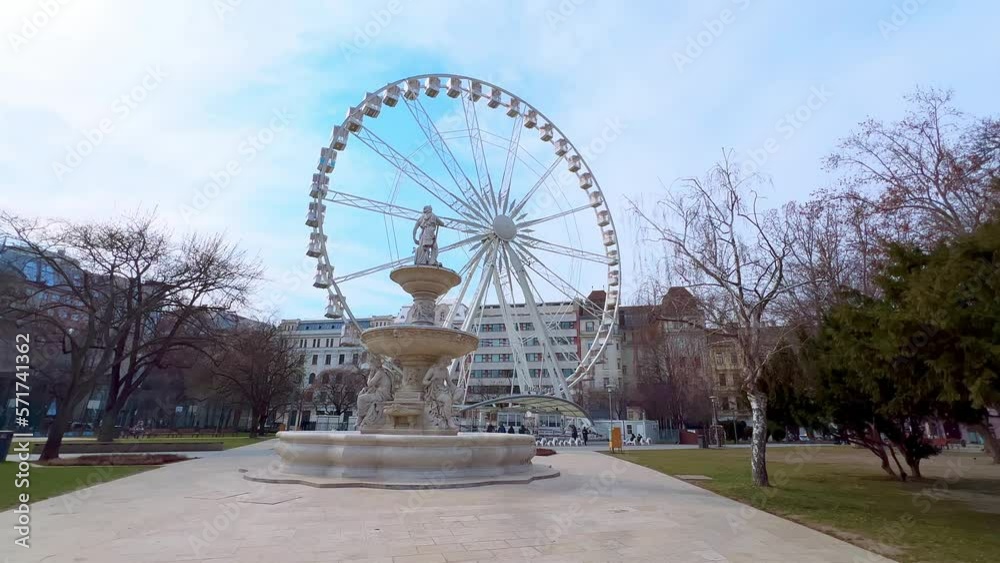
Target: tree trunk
56 431
902 472
992 443
254 420
106 432
758 442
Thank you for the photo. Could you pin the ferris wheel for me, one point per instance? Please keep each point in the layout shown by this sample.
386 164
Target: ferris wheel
521 210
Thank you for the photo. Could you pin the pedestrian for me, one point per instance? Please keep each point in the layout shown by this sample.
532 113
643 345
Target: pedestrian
510 429
489 427
501 429
586 435
572 430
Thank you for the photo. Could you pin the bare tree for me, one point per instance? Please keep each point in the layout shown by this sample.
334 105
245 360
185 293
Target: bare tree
70 298
124 298
926 176
338 388
258 365
836 246
181 298
732 256
671 378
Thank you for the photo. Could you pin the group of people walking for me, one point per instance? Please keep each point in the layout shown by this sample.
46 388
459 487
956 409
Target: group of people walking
506 430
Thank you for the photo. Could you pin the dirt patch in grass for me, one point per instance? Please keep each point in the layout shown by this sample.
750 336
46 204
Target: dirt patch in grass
121 459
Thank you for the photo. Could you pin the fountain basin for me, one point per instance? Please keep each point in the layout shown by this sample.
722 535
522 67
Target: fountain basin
431 281
351 459
418 345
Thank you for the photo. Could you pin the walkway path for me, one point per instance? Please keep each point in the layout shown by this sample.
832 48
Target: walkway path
600 509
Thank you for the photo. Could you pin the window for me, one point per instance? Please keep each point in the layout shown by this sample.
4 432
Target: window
607 382
312 378
328 359
590 326
354 358
315 360
731 403
326 377
341 360
722 380
567 324
31 271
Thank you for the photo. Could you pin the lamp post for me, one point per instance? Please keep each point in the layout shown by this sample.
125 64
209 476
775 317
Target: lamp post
611 416
715 420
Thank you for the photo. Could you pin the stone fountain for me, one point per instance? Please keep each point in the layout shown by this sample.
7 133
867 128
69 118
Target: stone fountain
407 434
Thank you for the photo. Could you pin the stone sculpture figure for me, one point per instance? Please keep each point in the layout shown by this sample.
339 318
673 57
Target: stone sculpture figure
427 247
374 396
439 396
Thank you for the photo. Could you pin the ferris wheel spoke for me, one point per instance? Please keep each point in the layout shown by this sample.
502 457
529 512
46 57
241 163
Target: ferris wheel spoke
424 180
553 217
521 371
444 154
476 305
557 281
541 180
503 196
467 273
476 144
403 261
484 283
539 244
358 202
540 328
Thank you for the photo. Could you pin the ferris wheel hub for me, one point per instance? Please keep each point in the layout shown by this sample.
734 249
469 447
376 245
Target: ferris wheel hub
504 227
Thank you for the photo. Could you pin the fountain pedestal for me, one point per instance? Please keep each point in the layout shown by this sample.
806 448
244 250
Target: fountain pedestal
408 437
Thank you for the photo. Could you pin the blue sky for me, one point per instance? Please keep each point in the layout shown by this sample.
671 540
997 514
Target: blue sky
680 79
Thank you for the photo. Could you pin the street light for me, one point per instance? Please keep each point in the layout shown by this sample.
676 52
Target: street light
715 420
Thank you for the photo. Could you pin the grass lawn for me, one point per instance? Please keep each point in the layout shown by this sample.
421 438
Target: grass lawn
228 442
953 515
48 482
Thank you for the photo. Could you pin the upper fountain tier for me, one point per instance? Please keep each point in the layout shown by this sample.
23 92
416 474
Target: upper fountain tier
420 342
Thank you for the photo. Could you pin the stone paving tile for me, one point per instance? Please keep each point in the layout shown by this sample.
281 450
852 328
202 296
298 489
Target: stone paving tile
600 509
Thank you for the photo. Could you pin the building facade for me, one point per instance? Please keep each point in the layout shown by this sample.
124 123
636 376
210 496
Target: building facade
325 344
492 370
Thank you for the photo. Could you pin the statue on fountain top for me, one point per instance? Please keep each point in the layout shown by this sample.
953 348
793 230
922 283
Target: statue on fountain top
427 247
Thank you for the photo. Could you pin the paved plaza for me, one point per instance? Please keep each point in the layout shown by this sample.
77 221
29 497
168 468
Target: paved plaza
600 509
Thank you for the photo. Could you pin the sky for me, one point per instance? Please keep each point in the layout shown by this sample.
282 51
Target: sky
212 112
